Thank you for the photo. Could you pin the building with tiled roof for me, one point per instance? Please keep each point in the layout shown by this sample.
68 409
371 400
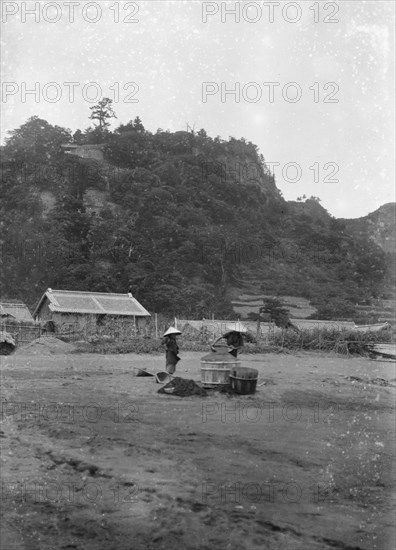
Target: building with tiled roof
78 307
15 310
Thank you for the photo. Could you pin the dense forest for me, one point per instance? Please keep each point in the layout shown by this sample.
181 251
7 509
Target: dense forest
184 221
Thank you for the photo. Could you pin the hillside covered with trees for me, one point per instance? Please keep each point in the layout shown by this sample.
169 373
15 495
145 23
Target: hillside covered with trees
183 220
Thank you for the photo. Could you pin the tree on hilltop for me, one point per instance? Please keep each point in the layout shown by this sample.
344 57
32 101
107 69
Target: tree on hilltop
102 112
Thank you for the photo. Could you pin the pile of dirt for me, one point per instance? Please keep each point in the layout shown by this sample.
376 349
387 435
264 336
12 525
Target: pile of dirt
182 388
45 345
7 343
6 349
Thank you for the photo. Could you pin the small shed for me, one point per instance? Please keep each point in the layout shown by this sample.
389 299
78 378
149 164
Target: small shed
15 310
78 309
94 152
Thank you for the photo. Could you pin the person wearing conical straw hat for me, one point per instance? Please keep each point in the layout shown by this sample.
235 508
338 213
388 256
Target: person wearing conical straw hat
233 337
172 349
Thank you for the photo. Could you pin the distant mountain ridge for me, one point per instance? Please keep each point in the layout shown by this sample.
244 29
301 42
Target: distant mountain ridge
378 226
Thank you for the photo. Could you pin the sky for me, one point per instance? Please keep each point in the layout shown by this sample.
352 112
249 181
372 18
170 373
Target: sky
310 83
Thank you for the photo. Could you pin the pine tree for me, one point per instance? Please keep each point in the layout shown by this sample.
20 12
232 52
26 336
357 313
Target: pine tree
102 112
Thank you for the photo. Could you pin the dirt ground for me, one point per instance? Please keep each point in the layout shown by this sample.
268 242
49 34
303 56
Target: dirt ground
94 458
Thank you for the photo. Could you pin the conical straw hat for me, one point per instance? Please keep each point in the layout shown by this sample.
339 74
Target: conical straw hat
172 330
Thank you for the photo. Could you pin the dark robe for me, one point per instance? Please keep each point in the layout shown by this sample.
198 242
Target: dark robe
235 339
172 350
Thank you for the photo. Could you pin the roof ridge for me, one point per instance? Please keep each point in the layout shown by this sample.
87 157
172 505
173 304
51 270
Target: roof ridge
14 304
91 292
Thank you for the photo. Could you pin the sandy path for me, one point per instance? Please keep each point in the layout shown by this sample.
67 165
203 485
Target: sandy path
94 458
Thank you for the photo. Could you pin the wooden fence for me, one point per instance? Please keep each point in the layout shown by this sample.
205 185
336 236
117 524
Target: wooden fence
23 333
113 329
